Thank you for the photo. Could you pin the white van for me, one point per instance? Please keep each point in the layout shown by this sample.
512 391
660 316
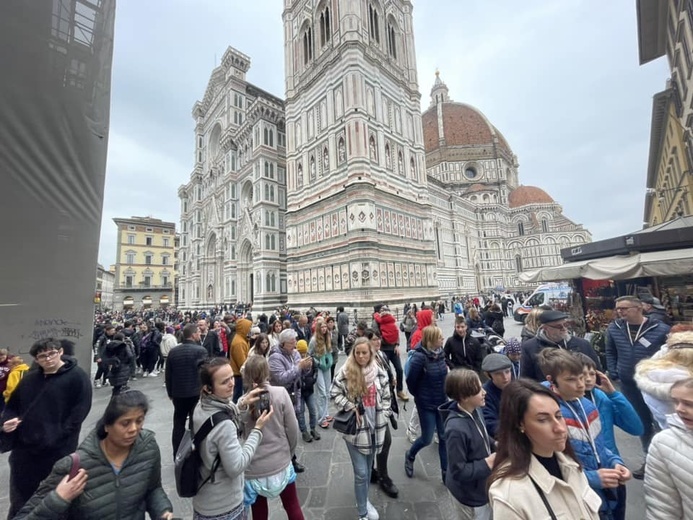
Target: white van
546 294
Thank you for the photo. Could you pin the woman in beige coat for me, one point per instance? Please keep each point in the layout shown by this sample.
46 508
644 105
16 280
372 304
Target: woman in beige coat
536 474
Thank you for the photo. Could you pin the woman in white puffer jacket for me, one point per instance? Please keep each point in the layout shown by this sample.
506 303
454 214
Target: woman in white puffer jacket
655 376
669 468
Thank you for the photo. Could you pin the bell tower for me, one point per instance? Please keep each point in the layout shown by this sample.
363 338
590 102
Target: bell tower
358 219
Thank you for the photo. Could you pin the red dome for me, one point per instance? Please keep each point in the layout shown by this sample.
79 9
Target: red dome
524 195
463 125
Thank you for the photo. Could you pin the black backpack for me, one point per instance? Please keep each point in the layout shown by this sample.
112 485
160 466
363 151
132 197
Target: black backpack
188 461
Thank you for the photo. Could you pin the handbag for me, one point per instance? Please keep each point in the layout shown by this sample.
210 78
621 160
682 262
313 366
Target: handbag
345 422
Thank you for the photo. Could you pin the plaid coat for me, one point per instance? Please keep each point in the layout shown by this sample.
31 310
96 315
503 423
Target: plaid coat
362 440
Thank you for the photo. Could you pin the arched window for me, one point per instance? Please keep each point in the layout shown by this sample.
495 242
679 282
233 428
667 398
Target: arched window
392 40
400 163
266 169
307 45
373 24
518 264
545 225
267 192
388 157
312 168
267 242
267 282
521 228
372 150
412 169
325 29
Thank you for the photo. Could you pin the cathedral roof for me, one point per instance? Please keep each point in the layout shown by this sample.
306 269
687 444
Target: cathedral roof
463 125
474 188
525 195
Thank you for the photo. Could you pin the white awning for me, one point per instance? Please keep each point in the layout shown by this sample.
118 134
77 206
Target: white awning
658 263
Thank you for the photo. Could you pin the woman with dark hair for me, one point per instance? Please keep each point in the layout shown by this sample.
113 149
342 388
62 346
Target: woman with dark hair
119 475
536 472
261 346
221 498
271 474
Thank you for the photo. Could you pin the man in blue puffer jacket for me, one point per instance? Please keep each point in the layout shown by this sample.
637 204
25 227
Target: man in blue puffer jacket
629 339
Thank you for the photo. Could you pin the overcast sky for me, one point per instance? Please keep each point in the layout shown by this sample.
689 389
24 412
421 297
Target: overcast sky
559 79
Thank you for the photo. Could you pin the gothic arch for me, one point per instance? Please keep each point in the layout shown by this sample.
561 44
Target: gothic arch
215 141
211 245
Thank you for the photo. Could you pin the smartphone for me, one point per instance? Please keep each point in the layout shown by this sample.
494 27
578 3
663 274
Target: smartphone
74 469
264 403
599 380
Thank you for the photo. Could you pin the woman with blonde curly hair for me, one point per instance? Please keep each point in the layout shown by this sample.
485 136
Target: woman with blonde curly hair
656 376
362 386
320 349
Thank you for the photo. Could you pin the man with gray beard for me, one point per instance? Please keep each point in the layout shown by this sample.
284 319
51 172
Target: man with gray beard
554 332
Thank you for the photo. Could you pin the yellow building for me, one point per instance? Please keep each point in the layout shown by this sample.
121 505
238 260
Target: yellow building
668 170
145 269
665 28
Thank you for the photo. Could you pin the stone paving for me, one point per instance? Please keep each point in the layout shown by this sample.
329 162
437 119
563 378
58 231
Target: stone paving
326 488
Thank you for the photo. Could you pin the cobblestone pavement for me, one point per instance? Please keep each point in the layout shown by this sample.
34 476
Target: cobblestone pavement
326 489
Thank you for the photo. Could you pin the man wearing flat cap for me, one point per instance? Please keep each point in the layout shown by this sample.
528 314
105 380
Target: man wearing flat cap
652 308
498 369
554 332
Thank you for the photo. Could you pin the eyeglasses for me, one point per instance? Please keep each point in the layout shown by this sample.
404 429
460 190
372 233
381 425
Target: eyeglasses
563 326
621 309
48 355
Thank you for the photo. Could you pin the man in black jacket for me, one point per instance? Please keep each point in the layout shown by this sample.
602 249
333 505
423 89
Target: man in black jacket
554 332
183 381
44 414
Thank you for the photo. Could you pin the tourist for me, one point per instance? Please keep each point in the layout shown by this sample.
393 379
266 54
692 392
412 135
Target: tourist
361 386
320 349
535 473
426 382
119 471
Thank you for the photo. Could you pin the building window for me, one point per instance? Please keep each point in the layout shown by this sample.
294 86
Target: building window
149 230
307 45
518 264
131 228
521 228
130 258
167 242
470 173
325 29
165 260
147 281
164 280
131 240
392 41
128 281
268 137
545 226
148 259
148 241
373 24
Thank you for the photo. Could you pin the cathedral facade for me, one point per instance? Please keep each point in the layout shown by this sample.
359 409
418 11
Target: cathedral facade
232 244
345 193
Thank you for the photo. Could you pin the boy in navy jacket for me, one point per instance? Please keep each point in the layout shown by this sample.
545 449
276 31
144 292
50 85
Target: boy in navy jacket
470 449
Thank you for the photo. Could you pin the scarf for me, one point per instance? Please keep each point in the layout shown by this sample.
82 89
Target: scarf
541 335
370 372
231 409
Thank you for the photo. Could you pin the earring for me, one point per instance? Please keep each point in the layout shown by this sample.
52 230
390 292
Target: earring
522 430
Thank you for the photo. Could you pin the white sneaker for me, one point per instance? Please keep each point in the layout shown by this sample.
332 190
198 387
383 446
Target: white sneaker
97 384
372 512
146 374
154 374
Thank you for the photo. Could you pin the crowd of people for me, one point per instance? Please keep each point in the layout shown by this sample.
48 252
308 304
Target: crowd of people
523 431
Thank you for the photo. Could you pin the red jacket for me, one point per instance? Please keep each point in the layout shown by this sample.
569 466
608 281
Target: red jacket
388 328
423 320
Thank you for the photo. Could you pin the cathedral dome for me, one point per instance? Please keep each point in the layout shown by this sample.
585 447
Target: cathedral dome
525 195
462 125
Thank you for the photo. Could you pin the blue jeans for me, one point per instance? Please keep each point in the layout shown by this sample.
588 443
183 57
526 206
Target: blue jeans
363 465
322 388
431 420
307 401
